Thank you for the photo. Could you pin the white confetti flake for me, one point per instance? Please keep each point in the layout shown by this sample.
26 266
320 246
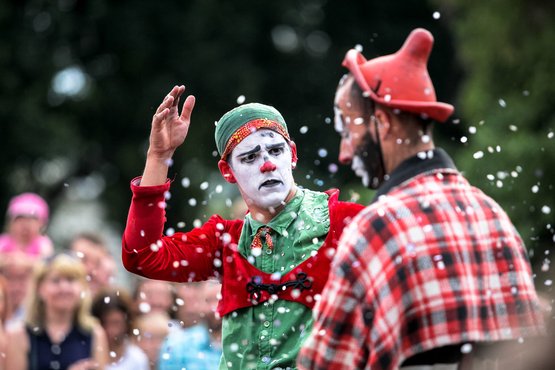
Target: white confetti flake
358 121
466 348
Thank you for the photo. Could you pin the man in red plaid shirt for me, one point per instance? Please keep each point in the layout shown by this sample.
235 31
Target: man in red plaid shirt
433 271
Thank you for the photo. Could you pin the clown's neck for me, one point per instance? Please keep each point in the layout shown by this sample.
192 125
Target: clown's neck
265 215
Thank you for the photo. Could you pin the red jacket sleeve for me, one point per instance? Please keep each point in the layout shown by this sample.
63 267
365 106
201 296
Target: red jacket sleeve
190 256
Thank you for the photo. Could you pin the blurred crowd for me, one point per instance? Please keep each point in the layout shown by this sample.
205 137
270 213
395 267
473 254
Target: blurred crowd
61 307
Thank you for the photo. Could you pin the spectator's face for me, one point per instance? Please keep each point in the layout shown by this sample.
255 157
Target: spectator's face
25 228
92 255
150 339
155 296
198 303
114 323
262 167
60 292
211 295
189 304
19 278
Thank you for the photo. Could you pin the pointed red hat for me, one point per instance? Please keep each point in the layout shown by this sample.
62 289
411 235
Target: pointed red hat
401 80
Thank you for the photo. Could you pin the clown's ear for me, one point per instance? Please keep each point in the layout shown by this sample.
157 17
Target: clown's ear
294 157
226 171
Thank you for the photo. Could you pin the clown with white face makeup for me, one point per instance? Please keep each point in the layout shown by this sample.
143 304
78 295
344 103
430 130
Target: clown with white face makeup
272 264
261 165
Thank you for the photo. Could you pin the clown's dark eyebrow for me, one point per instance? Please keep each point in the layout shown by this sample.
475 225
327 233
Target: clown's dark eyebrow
252 151
275 146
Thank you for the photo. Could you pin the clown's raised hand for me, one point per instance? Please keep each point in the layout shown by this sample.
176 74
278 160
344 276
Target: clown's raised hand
169 126
169 130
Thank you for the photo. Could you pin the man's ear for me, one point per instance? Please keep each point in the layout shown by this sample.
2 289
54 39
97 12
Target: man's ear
294 157
226 171
383 118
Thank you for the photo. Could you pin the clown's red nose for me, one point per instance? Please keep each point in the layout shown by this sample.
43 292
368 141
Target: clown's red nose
267 167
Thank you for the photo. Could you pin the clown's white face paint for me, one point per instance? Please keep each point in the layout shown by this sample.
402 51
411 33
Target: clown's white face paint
261 165
358 167
351 138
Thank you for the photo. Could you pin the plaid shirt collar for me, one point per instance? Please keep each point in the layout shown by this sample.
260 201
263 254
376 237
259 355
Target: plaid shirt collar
409 168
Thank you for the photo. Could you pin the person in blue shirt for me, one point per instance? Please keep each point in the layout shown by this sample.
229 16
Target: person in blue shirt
194 340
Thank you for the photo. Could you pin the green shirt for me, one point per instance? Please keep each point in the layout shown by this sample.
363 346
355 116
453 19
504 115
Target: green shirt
269 335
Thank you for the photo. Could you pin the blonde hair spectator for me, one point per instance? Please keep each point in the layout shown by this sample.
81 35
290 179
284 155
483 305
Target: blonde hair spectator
150 330
69 267
59 331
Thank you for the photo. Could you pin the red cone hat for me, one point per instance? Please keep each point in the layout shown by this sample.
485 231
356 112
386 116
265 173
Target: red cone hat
401 80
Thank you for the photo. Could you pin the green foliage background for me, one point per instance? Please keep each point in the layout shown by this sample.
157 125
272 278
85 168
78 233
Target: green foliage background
507 97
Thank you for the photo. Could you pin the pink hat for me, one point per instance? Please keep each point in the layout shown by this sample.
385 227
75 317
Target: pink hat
401 80
28 205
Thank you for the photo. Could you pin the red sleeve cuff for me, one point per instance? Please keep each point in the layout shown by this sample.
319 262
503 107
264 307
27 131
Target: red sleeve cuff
137 189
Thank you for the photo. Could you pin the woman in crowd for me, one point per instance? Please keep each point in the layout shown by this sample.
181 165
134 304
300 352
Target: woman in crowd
114 309
26 221
149 332
59 331
18 270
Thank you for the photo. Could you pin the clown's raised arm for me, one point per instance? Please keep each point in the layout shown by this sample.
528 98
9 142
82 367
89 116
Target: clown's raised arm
169 130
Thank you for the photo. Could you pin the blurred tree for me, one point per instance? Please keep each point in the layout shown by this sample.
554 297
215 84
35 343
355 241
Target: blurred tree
506 104
81 79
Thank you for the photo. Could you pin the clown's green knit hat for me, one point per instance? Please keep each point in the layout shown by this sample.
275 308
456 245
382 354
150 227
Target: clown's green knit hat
242 121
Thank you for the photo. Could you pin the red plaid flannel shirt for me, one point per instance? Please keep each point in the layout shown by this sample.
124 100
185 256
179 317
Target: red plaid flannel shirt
435 262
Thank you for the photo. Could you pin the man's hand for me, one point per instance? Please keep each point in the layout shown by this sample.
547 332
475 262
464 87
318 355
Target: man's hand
169 128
